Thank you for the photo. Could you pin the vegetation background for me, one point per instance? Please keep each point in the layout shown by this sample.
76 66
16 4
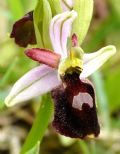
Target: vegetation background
16 122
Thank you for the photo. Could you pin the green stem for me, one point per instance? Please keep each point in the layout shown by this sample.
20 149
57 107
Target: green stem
93 147
40 124
84 147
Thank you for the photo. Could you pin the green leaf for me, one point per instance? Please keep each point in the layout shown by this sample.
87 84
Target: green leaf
47 16
40 124
8 72
112 87
2 97
35 149
84 9
55 6
37 16
102 99
42 18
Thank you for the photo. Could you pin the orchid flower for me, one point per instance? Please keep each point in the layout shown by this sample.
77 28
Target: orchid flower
64 72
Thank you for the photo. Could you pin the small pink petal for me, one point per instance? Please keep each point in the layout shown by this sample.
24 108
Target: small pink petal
34 83
44 56
74 40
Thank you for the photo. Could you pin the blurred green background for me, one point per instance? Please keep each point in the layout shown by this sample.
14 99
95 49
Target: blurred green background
16 122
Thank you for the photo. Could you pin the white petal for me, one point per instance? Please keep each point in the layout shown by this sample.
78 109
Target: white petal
60 30
95 60
36 82
66 5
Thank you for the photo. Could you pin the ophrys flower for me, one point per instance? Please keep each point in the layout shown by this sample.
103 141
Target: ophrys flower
64 72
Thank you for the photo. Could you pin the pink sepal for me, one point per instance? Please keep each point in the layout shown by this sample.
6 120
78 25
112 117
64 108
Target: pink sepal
44 56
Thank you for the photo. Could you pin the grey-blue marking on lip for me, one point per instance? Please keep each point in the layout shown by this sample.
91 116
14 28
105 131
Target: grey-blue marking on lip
80 99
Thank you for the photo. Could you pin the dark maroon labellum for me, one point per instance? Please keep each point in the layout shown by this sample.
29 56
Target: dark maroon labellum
23 31
75 109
